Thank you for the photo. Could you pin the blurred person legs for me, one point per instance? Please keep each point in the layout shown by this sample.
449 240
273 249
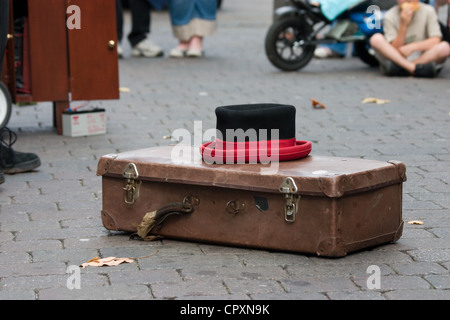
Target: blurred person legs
11 161
4 12
14 161
393 63
191 20
141 45
4 18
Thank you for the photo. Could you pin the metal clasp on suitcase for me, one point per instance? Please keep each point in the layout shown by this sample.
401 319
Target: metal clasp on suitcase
289 190
132 187
235 206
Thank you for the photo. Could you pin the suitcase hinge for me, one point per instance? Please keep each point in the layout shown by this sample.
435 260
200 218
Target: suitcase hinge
289 190
132 187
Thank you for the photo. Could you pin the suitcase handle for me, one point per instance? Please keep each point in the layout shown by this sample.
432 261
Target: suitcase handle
157 217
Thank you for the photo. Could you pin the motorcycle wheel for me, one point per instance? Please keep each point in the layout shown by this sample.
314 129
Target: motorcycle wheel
362 50
5 105
285 46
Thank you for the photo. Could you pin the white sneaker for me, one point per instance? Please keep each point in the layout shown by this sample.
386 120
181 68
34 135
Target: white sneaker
148 49
322 53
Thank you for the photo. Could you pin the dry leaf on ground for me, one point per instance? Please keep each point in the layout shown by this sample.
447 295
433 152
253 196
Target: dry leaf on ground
106 262
375 100
317 105
417 222
111 261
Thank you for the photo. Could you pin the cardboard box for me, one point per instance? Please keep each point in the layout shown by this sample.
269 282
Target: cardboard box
84 123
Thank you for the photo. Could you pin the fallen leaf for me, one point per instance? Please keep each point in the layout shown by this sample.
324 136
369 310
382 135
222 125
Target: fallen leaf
106 262
317 105
417 222
111 261
375 100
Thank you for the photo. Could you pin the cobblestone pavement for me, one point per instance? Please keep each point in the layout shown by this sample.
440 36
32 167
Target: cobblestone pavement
50 218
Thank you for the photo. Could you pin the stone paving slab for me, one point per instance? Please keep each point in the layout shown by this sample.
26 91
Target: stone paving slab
50 218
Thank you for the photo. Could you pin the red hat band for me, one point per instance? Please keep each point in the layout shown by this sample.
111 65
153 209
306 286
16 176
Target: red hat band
220 151
255 133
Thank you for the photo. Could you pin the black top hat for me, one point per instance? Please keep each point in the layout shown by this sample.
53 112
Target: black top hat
255 133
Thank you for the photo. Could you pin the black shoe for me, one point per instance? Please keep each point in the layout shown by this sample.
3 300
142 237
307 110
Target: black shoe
2 177
12 161
427 70
391 69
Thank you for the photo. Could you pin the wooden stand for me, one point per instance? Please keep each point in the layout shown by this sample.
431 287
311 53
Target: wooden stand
65 64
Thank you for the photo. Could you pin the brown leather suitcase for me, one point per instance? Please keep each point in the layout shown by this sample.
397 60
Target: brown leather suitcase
328 206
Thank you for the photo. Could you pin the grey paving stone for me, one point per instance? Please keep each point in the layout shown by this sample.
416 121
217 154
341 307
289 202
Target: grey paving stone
356 295
394 282
41 282
19 294
169 290
235 272
290 296
419 268
147 277
253 286
120 292
418 295
29 246
441 281
313 284
180 261
436 255
33 269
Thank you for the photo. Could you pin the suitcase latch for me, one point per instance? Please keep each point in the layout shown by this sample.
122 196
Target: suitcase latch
132 187
289 190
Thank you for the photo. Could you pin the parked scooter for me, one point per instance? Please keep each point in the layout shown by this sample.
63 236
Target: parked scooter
292 39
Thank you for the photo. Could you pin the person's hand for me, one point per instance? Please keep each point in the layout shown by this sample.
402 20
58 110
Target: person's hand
407 50
406 15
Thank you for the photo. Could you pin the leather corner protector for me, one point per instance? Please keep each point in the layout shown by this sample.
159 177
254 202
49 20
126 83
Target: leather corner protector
332 247
105 163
